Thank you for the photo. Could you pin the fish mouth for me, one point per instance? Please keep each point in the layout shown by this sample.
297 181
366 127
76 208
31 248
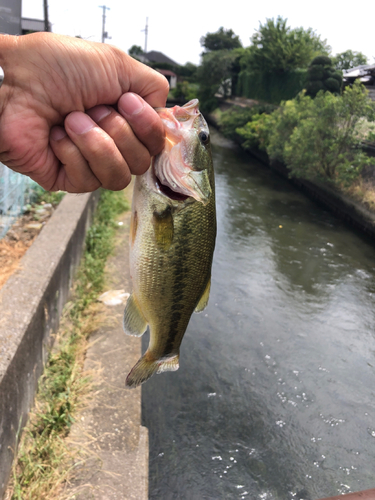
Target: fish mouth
169 193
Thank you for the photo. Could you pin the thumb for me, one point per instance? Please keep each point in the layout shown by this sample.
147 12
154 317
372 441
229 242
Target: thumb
140 79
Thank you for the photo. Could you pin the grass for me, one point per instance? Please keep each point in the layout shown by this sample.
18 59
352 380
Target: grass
362 191
44 460
40 196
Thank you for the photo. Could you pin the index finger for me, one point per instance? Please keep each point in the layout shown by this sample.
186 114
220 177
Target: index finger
152 86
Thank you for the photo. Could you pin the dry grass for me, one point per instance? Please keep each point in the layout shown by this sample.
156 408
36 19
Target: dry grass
10 256
364 192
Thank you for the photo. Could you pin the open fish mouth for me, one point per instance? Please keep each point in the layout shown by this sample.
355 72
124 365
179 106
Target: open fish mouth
168 192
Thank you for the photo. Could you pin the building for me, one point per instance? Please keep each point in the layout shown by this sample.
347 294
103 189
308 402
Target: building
365 73
154 57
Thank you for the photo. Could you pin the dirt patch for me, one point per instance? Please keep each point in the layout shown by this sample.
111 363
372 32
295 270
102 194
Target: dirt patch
20 237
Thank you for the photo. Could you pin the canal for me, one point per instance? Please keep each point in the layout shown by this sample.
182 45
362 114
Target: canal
275 395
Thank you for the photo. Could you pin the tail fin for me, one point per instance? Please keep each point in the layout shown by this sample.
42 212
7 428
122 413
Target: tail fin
147 366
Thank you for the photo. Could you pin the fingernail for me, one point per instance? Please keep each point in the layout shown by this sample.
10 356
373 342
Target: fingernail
131 104
99 112
79 122
57 133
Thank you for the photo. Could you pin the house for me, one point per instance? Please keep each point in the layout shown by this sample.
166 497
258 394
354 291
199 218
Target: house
29 25
156 58
365 73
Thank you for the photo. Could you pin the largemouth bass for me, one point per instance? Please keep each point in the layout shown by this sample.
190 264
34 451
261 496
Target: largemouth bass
172 239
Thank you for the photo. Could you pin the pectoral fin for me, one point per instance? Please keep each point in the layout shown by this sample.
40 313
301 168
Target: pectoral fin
163 227
202 304
134 321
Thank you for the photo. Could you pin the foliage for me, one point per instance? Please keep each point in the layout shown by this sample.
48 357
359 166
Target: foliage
257 132
43 460
222 39
349 59
326 144
185 91
188 72
40 196
215 76
317 138
321 75
237 117
278 48
270 87
135 50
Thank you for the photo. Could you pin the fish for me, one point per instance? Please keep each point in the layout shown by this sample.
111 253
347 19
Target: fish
172 240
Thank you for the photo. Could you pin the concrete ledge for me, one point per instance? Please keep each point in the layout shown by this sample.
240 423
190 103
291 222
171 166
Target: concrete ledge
31 303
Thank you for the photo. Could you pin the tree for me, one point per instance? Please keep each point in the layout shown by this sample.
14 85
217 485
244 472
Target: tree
349 59
326 144
278 48
215 75
321 75
135 50
220 40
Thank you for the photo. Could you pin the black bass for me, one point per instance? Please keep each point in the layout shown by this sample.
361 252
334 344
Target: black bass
172 239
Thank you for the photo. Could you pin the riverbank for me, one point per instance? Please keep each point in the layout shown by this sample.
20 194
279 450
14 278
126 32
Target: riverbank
352 211
31 304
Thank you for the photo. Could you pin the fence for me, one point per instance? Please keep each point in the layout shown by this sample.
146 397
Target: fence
15 193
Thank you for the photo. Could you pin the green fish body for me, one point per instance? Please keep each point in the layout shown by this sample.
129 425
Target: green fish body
172 239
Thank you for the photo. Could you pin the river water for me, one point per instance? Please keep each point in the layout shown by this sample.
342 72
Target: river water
275 395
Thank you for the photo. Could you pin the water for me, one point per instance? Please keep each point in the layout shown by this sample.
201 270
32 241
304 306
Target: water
275 395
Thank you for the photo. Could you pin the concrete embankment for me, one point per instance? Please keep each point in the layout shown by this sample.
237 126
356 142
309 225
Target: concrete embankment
115 460
347 209
31 303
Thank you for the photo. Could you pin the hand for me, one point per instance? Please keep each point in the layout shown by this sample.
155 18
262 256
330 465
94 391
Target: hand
77 115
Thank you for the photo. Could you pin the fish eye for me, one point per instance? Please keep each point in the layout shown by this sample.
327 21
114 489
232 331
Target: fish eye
204 137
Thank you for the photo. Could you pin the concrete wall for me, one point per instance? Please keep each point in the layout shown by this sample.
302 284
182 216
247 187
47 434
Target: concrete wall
31 303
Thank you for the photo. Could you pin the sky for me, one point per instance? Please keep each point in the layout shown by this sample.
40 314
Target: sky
175 28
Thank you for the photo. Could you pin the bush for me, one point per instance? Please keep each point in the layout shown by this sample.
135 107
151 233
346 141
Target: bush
321 75
236 117
185 91
326 144
317 138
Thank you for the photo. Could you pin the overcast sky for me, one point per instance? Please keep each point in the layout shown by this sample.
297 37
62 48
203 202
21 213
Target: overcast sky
176 27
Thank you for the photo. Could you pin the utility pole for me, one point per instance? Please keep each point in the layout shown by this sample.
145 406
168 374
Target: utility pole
146 35
104 32
46 22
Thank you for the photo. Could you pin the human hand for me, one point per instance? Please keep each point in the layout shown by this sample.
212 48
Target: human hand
77 115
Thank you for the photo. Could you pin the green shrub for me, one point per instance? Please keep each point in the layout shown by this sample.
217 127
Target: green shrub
326 144
185 91
321 75
236 117
317 138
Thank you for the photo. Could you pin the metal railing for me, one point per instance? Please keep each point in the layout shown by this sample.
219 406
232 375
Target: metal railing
15 193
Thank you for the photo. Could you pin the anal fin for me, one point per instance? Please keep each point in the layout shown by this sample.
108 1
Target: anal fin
203 301
169 365
134 321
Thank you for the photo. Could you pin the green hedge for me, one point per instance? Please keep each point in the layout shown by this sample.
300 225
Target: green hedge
270 87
